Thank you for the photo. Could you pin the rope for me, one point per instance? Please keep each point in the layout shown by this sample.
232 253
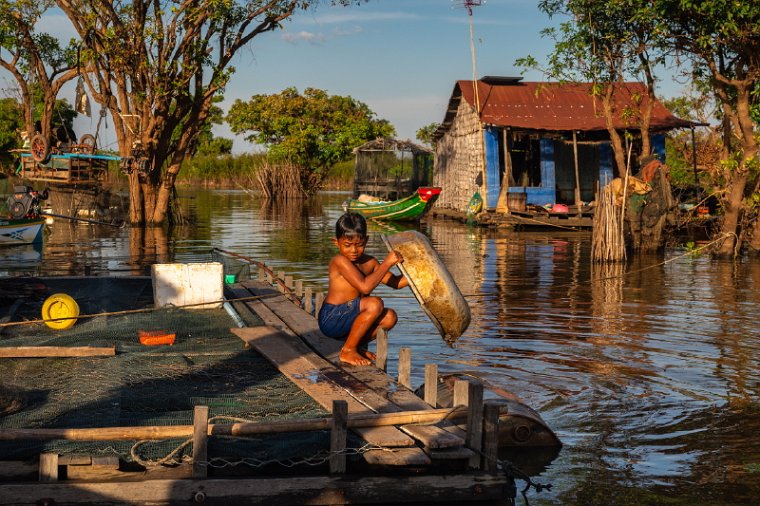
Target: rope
132 311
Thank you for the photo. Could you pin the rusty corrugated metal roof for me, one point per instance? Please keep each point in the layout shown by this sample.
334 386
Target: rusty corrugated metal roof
556 106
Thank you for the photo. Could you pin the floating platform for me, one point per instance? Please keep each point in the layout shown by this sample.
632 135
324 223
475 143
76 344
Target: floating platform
275 380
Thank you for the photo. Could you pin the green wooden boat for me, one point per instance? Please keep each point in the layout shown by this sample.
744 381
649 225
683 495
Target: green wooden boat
407 209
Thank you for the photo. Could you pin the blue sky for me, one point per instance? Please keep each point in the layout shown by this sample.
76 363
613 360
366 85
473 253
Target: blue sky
400 57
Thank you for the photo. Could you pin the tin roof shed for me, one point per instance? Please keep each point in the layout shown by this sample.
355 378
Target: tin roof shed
508 102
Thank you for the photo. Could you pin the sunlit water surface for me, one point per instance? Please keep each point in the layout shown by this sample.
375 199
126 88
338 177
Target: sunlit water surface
647 372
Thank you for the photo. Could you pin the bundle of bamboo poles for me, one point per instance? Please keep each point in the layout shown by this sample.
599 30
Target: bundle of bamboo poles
608 238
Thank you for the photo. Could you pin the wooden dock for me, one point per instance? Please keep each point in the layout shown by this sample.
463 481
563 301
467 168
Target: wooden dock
415 452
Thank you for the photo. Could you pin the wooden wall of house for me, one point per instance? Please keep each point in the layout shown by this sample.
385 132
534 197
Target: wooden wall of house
459 161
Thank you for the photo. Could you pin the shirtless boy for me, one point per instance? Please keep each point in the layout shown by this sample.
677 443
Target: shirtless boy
349 311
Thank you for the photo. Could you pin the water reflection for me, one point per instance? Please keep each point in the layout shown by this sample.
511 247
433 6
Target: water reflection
647 371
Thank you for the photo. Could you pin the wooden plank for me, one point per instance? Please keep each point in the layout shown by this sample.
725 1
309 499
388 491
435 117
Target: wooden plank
285 491
200 441
338 435
405 367
431 384
314 376
48 467
392 397
55 351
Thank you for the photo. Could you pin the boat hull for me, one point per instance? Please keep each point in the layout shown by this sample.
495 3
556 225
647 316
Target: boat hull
23 231
407 209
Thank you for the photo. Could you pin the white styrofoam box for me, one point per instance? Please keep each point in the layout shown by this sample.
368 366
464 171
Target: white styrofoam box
183 284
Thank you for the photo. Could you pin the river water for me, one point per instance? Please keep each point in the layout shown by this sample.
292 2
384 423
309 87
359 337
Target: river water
647 372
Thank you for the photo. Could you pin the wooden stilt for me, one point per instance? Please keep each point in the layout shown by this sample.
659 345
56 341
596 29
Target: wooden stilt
490 436
200 442
338 437
474 438
308 303
48 467
405 367
382 350
431 384
320 298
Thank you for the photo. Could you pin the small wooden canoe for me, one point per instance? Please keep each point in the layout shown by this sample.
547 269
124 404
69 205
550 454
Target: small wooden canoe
431 283
407 209
21 231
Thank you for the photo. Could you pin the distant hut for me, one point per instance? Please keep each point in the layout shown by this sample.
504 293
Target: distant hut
390 169
548 143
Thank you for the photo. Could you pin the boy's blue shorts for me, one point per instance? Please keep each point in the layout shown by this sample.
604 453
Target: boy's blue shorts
335 320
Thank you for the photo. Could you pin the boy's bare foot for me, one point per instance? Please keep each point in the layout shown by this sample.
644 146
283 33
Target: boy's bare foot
368 354
353 357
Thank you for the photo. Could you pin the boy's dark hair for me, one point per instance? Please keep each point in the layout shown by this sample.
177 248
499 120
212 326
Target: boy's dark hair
351 225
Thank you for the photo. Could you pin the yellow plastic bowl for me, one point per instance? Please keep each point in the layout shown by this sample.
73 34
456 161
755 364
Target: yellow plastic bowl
60 311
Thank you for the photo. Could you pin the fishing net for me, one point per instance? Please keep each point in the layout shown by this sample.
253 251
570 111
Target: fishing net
146 385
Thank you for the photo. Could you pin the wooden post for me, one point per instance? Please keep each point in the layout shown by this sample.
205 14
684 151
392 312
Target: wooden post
431 384
262 274
461 393
48 467
474 437
308 303
299 288
338 437
382 350
490 436
405 367
577 175
502 205
280 276
200 441
320 298
289 282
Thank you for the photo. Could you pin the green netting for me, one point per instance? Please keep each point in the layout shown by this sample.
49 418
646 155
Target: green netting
146 385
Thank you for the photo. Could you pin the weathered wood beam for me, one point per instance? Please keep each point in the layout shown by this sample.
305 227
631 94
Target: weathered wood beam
429 416
55 351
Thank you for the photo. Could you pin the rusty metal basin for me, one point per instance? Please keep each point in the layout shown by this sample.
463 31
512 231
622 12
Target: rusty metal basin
431 283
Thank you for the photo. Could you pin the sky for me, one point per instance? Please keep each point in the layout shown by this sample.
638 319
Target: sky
400 57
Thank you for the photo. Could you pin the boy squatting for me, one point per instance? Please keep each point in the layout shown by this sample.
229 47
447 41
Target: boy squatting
349 311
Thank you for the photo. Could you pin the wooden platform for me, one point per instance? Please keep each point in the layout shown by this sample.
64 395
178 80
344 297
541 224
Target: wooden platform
293 343
67 168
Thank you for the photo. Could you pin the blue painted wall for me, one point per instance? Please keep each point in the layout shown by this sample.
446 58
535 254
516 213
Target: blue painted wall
658 146
605 164
493 182
548 174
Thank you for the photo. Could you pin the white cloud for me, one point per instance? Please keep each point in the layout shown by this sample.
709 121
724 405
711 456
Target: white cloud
303 36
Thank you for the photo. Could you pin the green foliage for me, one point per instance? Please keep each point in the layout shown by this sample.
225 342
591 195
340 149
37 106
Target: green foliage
425 134
10 122
315 130
221 169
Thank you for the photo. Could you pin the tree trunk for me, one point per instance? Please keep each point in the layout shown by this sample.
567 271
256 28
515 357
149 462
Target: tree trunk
617 143
726 246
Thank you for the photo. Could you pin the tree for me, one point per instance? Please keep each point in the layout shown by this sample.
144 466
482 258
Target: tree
11 121
720 39
37 61
158 64
425 134
603 43
314 130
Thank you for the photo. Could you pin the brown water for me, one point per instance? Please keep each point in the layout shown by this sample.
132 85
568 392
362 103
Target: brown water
647 372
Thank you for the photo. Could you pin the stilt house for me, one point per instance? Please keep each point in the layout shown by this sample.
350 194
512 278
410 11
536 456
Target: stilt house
547 142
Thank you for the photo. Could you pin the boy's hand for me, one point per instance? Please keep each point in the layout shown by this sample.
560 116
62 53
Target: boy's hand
394 257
